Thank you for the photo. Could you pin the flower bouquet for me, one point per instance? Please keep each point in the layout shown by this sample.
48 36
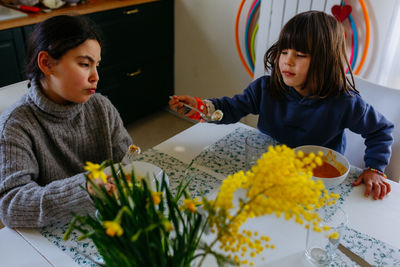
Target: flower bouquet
137 226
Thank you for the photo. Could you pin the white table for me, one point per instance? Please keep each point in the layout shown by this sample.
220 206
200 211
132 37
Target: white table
377 218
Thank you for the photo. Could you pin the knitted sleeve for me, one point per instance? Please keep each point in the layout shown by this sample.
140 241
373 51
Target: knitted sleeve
23 201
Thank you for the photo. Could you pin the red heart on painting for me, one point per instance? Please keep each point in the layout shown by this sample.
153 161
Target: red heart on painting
341 12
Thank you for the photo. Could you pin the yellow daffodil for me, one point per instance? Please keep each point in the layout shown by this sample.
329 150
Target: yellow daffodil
156 196
168 226
95 171
113 228
190 204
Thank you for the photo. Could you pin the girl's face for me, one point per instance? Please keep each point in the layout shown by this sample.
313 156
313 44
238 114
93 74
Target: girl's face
74 77
293 66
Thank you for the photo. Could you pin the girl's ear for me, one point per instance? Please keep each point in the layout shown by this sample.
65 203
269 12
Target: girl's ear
45 62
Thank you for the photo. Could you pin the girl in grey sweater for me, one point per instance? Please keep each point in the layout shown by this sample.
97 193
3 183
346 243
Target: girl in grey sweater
49 134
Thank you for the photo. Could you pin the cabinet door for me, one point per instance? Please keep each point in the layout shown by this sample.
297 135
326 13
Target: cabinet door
136 71
137 90
12 54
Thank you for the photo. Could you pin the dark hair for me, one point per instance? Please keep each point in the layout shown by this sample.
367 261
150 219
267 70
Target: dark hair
323 37
57 35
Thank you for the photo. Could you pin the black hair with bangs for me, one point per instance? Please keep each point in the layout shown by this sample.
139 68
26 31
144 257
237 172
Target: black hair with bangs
57 35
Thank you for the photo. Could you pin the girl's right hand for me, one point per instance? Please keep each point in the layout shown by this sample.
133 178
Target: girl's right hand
176 103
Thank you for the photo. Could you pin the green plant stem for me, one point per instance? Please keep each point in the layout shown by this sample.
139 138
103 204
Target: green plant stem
70 228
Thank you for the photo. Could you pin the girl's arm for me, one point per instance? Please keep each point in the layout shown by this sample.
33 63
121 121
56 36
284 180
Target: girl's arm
24 202
42 176
240 105
377 131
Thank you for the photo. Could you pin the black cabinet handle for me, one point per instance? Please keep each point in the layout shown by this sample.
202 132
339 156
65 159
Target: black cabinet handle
132 11
136 73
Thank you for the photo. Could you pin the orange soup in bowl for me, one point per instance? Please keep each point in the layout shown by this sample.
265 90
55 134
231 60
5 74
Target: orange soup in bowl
335 166
326 170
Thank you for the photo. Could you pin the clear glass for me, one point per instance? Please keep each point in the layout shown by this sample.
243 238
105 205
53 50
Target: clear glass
320 249
256 145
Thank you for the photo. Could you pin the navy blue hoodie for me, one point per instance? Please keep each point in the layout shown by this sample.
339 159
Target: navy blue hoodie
296 120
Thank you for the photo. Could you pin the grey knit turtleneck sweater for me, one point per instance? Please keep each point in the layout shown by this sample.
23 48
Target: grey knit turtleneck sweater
43 150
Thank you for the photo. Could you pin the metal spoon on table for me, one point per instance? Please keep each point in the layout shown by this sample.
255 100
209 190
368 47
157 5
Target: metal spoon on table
350 254
216 116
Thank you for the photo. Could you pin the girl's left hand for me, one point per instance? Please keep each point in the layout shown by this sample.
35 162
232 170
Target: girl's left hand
375 183
109 186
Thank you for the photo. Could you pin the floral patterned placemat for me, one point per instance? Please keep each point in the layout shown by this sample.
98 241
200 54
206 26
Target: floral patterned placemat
227 155
201 183
375 252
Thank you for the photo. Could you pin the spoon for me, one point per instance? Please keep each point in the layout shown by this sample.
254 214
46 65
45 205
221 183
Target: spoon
130 155
350 254
216 116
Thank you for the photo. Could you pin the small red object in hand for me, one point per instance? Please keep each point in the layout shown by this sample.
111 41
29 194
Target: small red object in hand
200 106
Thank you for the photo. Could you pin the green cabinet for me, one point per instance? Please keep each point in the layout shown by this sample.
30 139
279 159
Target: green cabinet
12 54
136 70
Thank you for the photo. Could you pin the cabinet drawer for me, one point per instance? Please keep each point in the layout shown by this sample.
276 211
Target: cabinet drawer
136 90
137 33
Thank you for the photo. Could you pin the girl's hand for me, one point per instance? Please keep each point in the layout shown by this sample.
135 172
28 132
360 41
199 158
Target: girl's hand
176 103
109 186
375 183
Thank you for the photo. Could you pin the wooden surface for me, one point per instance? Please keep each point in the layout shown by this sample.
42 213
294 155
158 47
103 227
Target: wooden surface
92 7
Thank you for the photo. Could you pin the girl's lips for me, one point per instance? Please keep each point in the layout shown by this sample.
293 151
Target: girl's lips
92 90
288 73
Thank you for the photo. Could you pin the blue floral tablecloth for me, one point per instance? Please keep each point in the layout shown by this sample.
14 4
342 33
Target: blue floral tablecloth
224 157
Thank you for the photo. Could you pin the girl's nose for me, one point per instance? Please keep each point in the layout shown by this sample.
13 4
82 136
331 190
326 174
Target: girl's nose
289 60
94 76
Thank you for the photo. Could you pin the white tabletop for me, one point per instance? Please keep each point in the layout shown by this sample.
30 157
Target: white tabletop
16 251
379 219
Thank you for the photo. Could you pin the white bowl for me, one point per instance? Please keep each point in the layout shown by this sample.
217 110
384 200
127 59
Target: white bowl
332 157
142 169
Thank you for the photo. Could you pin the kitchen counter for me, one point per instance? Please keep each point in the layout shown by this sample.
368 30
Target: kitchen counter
92 7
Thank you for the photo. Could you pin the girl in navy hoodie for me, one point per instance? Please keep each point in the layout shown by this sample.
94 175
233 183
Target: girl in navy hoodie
308 99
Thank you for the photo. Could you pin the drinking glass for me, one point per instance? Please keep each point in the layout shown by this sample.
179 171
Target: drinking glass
320 249
256 145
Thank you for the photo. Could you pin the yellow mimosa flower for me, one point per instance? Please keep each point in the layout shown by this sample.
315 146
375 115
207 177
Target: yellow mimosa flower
281 184
334 235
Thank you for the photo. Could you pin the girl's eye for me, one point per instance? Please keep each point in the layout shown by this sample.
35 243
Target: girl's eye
84 64
283 52
301 55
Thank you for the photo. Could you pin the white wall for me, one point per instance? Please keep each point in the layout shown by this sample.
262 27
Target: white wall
207 63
